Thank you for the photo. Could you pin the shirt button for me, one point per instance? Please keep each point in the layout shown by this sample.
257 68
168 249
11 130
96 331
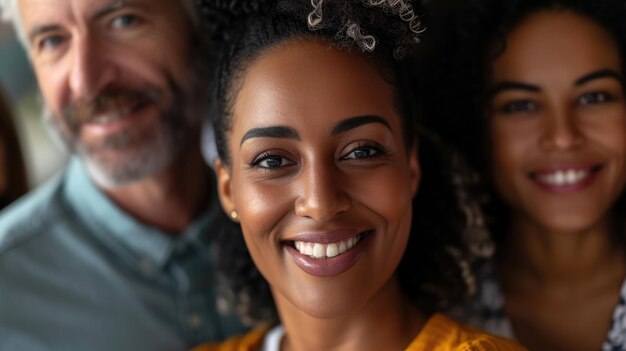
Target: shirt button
147 265
194 321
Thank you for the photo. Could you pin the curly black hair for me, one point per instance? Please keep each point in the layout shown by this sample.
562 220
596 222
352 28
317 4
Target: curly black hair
465 38
386 33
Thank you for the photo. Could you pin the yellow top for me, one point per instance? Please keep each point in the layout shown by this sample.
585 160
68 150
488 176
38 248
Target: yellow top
438 334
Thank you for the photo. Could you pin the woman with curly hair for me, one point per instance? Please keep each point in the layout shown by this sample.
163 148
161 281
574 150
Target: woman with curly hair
533 93
316 134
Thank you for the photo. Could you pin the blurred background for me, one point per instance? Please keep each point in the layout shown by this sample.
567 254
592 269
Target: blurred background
43 156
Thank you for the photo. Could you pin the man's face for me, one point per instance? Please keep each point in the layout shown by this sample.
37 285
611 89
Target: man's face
116 79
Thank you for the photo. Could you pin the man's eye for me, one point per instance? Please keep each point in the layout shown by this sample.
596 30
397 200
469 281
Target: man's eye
50 42
124 21
519 106
594 98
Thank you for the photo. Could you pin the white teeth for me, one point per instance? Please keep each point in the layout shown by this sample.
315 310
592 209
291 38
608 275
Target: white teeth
332 250
564 177
342 247
106 118
112 116
308 249
317 250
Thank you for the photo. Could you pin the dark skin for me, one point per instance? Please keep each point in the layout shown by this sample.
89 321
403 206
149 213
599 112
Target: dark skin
559 139
290 177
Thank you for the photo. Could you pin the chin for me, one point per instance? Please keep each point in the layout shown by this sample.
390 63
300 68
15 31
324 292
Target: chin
570 223
326 305
329 310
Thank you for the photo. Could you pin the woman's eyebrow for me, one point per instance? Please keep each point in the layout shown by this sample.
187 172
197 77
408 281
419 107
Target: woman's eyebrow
511 85
357 121
603 73
271 132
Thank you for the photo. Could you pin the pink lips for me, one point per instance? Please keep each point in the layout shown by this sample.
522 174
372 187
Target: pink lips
328 266
565 178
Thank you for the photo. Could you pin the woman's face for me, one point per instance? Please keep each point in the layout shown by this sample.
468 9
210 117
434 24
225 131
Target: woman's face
558 121
320 177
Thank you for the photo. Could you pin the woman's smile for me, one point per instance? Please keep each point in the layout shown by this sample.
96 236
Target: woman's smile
327 253
566 179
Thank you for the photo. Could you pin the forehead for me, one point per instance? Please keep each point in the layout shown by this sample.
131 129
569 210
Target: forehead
61 9
42 12
559 41
305 82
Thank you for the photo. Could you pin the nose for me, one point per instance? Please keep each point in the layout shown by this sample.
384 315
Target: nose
90 70
561 131
322 194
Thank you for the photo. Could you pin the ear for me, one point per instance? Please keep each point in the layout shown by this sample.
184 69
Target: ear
224 188
415 172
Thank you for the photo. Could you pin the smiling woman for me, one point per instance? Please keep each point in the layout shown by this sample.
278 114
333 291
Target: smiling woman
315 121
542 83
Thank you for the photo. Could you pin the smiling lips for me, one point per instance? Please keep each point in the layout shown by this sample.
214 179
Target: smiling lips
565 179
114 115
328 254
321 251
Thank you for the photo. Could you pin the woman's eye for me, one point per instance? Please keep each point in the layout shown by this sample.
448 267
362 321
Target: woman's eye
124 21
519 106
594 98
363 153
271 162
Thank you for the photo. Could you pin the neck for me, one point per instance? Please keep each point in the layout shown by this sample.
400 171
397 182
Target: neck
171 199
388 321
550 258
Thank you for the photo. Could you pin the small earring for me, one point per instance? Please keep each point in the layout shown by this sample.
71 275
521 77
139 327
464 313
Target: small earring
234 215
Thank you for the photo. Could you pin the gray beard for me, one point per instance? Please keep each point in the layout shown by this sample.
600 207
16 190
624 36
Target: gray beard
151 153
133 155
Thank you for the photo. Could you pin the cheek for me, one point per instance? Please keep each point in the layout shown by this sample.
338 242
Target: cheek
261 206
613 138
387 193
51 85
508 151
613 141
510 147
175 64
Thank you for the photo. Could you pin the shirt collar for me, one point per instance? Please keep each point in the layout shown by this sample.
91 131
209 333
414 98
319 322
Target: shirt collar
143 246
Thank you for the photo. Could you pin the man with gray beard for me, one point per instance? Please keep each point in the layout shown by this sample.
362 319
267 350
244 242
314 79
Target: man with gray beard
115 253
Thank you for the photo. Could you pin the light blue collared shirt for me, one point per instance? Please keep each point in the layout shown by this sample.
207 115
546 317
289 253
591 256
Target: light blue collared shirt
78 273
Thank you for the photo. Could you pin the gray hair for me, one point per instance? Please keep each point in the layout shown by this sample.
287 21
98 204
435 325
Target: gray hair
10 12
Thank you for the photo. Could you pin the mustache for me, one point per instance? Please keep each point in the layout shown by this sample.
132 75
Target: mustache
110 103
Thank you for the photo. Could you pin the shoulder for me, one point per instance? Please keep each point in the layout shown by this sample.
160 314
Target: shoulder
31 215
443 334
616 339
485 309
248 342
